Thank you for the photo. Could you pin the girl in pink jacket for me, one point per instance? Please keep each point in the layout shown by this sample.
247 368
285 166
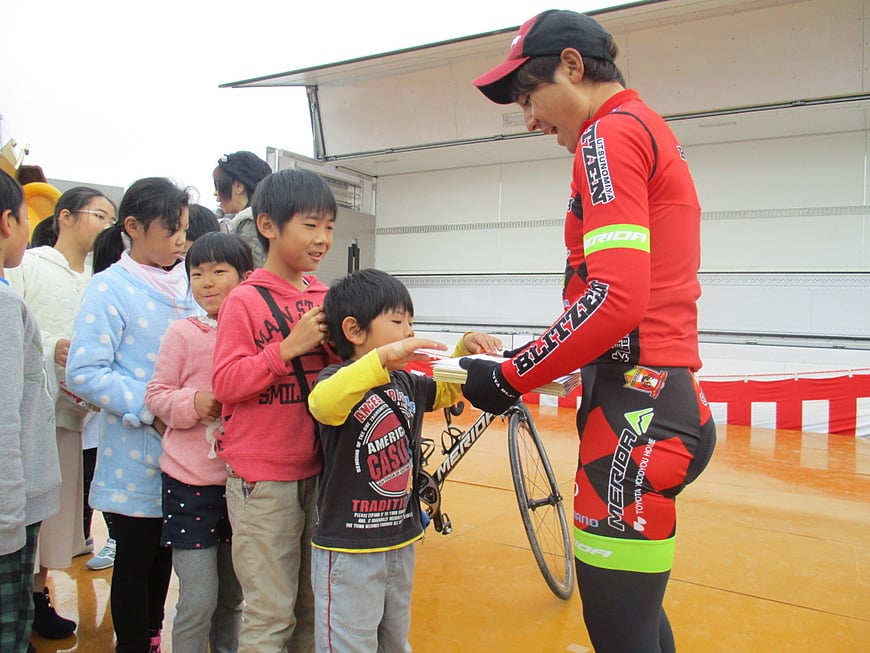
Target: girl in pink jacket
195 522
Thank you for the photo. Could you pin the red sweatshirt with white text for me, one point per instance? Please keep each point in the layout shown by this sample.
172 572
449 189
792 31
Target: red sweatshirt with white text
268 432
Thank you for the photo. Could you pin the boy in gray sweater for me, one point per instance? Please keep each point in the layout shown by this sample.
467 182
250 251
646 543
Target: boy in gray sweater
29 468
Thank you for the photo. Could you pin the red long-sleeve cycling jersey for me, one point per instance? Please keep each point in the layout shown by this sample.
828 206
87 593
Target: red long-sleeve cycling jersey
632 231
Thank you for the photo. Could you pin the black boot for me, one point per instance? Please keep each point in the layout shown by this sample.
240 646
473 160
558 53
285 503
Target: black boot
47 622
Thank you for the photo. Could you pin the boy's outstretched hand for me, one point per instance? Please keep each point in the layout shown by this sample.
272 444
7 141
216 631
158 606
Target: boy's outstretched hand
477 342
398 354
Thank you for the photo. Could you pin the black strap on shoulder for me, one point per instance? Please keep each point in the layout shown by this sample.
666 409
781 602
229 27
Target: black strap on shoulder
285 331
652 139
415 448
399 413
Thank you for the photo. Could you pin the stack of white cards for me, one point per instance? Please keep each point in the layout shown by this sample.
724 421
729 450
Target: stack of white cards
449 371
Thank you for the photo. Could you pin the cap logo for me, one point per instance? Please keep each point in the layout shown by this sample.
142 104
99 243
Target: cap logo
516 39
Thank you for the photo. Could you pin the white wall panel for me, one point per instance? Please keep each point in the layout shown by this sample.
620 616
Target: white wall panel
491 251
532 190
710 56
789 51
826 242
437 198
485 301
827 305
376 113
802 171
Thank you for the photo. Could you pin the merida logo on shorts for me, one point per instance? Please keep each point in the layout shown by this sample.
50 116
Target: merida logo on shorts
615 491
640 421
616 236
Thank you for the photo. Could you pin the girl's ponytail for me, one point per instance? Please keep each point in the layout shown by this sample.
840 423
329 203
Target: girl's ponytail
146 200
109 246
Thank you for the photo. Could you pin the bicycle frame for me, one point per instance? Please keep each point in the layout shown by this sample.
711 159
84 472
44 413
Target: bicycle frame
429 484
535 486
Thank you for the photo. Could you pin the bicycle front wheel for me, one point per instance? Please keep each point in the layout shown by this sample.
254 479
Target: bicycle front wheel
540 503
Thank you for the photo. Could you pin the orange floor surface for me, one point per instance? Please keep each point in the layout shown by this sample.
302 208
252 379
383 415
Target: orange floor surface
773 554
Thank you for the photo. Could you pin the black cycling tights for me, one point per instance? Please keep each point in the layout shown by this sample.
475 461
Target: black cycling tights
622 610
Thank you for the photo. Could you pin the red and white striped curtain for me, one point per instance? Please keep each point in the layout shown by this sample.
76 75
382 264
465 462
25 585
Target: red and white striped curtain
833 401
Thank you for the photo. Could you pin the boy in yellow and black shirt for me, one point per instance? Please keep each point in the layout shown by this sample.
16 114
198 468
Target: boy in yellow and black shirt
371 416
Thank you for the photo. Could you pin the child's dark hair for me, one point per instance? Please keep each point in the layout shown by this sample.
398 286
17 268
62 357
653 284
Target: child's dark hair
219 247
11 195
44 233
202 221
244 167
73 200
542 70
363 295
77 198
147 200
285 193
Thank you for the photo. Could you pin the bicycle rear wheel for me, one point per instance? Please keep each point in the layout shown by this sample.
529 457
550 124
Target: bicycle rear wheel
540 503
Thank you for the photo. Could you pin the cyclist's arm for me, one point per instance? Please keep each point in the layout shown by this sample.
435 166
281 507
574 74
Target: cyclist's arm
617 258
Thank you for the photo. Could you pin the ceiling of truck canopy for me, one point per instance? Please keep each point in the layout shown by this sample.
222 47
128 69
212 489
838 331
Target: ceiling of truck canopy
719 70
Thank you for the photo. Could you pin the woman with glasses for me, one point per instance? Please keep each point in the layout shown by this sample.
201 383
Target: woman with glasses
52 279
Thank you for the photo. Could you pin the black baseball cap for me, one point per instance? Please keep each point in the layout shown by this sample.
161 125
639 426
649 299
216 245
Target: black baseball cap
548 33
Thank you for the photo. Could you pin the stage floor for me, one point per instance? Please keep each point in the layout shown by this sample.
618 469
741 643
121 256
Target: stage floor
772 554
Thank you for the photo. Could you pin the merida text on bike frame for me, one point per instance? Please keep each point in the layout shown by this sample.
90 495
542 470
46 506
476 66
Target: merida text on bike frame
461 447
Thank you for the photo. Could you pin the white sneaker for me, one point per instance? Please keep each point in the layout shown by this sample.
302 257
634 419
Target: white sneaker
89 548
105 558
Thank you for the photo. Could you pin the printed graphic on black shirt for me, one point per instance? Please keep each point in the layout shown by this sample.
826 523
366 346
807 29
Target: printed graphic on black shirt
383 456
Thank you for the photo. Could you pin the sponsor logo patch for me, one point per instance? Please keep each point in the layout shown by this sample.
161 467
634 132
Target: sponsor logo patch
643 379
597 169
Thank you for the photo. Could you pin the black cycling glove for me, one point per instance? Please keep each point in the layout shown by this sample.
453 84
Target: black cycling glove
510 353
486 387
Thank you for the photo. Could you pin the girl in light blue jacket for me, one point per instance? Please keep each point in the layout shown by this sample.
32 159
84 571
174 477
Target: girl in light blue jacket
125 311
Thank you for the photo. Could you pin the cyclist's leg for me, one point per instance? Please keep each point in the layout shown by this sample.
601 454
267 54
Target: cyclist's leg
645 434
622 610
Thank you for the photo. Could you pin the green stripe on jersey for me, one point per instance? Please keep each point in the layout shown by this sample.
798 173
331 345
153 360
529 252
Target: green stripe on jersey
616 236
646 556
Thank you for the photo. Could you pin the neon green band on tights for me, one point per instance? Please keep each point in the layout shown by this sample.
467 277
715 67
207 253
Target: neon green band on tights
646 556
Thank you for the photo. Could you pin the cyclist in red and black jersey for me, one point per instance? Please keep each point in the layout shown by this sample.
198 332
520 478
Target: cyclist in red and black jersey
630 321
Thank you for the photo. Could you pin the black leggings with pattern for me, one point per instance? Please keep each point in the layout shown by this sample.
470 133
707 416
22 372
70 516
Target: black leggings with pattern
645 433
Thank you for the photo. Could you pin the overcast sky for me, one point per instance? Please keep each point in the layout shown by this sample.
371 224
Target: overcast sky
110 91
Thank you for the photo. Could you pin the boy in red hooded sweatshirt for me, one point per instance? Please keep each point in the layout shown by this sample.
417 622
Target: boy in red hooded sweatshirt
268 353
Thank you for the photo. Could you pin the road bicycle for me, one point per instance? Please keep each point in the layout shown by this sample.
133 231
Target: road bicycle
538 496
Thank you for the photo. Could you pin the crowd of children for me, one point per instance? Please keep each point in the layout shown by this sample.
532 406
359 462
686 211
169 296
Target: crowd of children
196 367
